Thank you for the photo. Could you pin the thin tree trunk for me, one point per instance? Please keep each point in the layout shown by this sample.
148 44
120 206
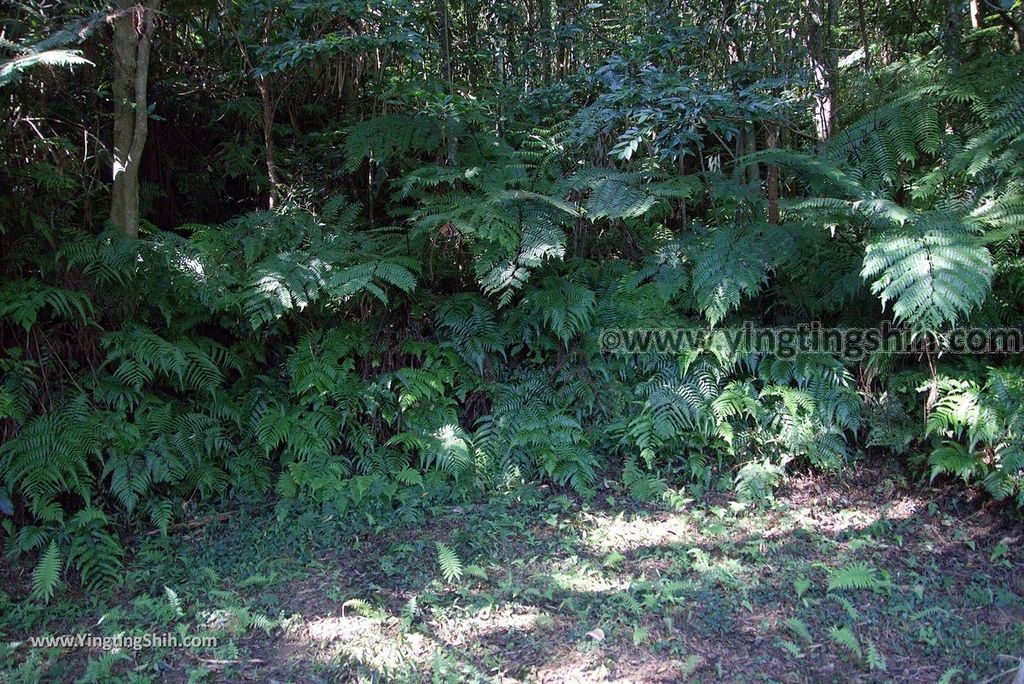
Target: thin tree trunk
546 37
267 109
865 43
446 46
821 20
977 14
771 141
267 106
951 31
1016 26
133 39
753 170
267 102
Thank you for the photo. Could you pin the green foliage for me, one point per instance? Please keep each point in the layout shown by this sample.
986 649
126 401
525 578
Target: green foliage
448 560
728 265
390 138
854 576
22 302
11 69
46 576
876 661
933 272
294 260
845 638
978 429
419 317
800 629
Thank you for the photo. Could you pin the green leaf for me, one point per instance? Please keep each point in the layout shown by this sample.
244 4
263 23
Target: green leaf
46 575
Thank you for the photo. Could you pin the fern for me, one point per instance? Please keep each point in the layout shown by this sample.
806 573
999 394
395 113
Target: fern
854 576
876 661
389 137
564 307
448 560
845 638
933 272
11 69
22 302
799 628
727 265
46 575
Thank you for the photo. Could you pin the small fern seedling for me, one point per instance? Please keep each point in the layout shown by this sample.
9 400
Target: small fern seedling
451 566
844 637
876 661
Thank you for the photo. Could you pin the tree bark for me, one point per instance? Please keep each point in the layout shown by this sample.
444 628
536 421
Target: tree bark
951 31
977 14
772 141
822 15
753 170
267 106
1015 25
546 38
446 46
865 43
133 39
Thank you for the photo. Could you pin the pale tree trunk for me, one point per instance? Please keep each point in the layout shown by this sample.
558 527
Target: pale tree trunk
822 15
267 101
977 14
546 37
753 171
446 45
133 39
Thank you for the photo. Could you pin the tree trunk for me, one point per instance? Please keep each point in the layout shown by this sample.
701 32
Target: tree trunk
753 170
1016 25
951 31
865 43
821 20
446 46
546 38
267 102
772 141
133 38
977 14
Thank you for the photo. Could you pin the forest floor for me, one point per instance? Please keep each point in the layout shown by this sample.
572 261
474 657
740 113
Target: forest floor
864 578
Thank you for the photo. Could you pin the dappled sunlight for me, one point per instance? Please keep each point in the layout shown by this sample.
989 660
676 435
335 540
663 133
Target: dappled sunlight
497 620
588 580
604 533
587 341
374 643
340 628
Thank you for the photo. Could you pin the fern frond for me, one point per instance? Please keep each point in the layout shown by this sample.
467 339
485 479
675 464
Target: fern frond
47 573
448 560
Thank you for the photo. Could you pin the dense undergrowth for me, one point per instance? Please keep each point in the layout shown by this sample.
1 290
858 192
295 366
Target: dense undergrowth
434 333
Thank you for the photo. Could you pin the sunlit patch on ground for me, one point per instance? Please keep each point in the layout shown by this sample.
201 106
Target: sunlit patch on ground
831 582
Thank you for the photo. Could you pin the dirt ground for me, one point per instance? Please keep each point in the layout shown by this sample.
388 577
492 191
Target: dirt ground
864 578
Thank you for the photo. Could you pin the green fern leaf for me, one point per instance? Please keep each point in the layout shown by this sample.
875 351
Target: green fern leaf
854 576
845 637
451 566
46 575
